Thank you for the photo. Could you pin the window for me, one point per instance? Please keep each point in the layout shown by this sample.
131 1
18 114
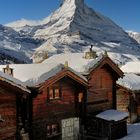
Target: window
51 94
1 119
52 129
54 93
80 97
48 130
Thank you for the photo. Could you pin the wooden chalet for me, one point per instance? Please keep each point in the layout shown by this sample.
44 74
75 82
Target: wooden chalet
13 107
65 89
128 96
101 96
102 74
102 79
55 108
61 98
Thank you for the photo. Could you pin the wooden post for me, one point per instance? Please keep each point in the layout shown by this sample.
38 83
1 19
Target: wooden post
114 94
109 131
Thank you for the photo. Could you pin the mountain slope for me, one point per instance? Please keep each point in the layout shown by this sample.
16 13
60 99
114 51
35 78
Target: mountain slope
134 35
73 28
15 48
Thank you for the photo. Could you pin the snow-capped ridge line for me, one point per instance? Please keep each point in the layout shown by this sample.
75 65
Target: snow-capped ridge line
23 22
73 27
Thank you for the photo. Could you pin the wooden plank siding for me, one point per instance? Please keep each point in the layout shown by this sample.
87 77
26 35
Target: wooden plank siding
100 92
127 101
13 110
8 112
104 129
122 100
100 96
42 106
137 97
47 111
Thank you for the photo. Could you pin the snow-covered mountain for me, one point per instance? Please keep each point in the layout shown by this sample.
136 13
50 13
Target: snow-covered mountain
14 47
73 28
134 35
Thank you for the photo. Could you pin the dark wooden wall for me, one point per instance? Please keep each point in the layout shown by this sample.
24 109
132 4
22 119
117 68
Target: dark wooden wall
13 109
137 97
8 113
122 100
128 102
47 111
100 92
105 130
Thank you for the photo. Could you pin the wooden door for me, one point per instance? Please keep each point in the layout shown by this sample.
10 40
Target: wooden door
70 129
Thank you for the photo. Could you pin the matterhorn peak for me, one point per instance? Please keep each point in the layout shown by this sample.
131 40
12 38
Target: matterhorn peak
74 1
73 27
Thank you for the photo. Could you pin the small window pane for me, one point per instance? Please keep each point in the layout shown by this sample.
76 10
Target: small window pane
54 128
57 93
80 97
48 130
51 94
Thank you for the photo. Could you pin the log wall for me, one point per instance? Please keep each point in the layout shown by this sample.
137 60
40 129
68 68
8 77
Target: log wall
8 114
47 111
100 92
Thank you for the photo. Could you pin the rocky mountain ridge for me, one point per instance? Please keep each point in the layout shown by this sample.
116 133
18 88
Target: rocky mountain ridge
134 35
73 27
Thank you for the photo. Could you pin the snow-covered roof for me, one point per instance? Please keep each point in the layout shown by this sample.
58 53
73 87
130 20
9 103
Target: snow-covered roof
76 61
130 81
112 115
131 67
35 74
13 81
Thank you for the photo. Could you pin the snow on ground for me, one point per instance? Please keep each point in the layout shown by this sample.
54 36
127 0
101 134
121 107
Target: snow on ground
133 132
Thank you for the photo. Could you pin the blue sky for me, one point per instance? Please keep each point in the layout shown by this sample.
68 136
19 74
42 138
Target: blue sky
124 12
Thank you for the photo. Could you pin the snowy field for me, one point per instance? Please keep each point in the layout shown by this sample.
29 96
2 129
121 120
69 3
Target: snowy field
133 132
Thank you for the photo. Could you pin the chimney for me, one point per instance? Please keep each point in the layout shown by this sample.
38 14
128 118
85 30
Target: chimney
105 53
8 70
66 65
91 54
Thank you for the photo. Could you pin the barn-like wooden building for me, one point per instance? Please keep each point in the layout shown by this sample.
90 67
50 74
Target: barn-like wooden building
56 103
13 109
102 85
128 96
65 90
